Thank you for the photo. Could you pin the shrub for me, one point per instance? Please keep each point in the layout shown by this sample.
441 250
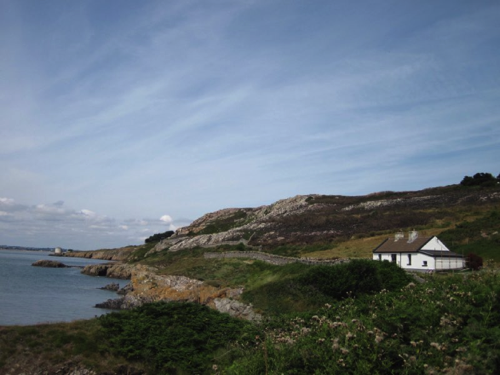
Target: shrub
159 236
473 261
479 179
171 336
448 325
355 278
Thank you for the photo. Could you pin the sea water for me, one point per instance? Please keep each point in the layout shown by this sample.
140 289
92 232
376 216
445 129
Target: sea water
31 295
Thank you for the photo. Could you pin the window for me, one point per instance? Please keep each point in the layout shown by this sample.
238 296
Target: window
380 257
393 258
409 259
424 264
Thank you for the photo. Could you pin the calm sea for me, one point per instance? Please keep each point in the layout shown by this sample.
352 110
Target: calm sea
30 295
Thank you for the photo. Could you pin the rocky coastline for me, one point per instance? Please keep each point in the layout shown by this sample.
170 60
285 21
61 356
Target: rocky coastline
147 286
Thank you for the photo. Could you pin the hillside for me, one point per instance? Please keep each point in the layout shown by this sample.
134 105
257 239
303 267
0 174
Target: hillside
313 318
302 224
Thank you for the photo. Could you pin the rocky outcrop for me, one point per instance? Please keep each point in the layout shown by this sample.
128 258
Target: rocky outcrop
147 286
243 225
114 287
126 289
113 270
124 303
236 308
49 263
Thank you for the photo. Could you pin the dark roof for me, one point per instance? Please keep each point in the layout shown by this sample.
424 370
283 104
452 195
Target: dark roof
441 254
390 245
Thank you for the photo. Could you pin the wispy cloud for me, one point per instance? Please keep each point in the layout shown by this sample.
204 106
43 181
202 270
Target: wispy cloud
187 107
46 225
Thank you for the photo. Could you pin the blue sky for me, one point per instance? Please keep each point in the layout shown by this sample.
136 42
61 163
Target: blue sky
120 119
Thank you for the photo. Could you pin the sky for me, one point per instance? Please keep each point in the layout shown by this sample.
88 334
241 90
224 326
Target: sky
122 118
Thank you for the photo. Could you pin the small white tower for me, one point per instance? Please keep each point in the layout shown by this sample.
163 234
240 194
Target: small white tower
57 250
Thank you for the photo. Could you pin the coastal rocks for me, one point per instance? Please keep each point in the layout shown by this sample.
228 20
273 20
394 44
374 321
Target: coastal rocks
124 303
119 254
114 287
151 288
116 271
49 263
126 289
146 286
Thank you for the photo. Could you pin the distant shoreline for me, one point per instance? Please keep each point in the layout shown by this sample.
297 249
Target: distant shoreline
32 250
48 250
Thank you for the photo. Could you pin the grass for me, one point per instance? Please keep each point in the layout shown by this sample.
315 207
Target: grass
360 248
480 235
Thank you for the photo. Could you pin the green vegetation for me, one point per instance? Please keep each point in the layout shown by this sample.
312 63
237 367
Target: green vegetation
159 236
450 324
355 318
480 179
480 236
173 337
235 220
292 250
45 346
297 287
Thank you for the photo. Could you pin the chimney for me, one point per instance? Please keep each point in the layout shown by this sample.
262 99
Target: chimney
398 236
413 235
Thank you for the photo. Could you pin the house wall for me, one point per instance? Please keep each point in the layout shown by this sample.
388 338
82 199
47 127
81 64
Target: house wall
417 261
435 244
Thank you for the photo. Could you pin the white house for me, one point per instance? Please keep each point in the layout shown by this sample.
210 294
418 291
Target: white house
418 253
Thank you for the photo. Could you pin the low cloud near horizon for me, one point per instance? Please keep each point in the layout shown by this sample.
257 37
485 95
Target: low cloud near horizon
51 225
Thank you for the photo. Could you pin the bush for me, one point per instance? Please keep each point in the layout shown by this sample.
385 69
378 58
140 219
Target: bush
355 278
159 236
473 262
480 179
171 336
448 325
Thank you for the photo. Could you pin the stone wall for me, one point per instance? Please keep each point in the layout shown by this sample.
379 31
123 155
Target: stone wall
277 260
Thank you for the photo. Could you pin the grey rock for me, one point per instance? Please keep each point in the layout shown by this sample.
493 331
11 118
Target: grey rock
114 287
49 263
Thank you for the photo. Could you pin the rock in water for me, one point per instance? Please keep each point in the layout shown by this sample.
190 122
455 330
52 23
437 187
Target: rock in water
113 287
49 263
113 304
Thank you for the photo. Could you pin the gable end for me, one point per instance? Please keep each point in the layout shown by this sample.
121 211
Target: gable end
375 250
